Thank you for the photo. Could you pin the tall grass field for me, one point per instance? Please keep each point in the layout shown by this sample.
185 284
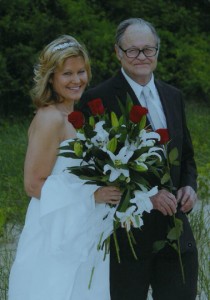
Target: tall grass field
13 200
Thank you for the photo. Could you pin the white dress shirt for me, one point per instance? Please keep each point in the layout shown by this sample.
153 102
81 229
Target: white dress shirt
157 105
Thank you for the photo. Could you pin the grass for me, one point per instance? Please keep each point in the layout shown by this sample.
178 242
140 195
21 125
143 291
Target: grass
13 200
200 220
13 140
198 119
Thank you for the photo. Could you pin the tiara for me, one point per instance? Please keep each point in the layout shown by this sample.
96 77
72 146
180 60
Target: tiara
63 46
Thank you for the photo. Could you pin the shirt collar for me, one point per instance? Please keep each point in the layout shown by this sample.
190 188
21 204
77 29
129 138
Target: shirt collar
137 88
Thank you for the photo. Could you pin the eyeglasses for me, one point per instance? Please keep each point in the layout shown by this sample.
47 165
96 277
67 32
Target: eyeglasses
135 52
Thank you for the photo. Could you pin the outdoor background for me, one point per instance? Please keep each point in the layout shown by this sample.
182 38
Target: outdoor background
26 26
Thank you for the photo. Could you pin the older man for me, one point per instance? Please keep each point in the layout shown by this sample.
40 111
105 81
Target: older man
137 47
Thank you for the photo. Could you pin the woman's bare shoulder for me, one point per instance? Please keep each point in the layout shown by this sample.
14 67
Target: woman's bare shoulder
47 117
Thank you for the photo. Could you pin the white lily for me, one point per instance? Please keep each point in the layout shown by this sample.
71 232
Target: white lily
142 200
101 136
118 160
126 218
151 135
152 152
81 136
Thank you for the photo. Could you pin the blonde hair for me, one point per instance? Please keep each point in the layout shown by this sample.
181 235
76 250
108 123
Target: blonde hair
53 56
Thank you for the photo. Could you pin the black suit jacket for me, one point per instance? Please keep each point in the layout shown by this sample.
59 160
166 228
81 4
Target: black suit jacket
117 88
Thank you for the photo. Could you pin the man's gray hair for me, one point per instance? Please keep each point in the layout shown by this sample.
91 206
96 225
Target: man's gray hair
134 21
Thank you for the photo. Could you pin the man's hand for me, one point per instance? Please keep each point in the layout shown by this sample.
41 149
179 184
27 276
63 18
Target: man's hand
187 197
165 202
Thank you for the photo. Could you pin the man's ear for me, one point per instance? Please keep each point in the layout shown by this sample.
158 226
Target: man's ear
118 52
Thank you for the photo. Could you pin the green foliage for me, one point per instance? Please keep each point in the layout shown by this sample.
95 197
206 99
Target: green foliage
198 118
95 32
27 26
13 199
187 67
200 220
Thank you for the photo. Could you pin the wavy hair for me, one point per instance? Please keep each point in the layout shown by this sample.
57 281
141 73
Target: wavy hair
53 56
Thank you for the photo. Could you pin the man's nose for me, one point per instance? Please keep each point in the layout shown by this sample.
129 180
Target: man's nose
141 55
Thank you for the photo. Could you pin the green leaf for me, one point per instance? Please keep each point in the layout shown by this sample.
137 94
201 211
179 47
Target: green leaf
114 120
98 153
68 154
88 131
139 152
174 246
142 123
175 232
92 121
125 199
165 178
158 245
173 155
139 168
175 163
112 145
78 149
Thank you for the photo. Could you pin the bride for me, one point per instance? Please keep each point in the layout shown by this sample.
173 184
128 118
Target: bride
58 246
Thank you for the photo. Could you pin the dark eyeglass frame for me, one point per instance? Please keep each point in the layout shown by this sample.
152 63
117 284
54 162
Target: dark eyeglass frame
139 51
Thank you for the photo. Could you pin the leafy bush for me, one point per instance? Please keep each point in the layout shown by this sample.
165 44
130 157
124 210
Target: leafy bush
27 26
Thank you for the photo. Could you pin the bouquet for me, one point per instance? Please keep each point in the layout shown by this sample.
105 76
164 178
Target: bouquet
122 152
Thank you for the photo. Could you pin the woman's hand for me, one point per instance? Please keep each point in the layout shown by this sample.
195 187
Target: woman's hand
108 194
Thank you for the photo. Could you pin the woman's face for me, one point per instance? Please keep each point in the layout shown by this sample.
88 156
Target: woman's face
70 80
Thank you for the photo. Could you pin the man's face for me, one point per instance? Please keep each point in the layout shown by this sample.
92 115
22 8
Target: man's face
140 68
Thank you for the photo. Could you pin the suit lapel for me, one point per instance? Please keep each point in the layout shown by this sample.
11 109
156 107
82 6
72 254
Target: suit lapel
167 105
123 89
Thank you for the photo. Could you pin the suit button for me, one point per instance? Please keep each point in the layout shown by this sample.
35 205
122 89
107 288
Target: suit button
189 244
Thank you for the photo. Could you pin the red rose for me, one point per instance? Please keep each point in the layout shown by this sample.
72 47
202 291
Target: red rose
77 119
137 112
96 106
164 135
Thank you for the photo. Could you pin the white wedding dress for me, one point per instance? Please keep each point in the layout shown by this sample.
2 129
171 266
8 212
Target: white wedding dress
58 245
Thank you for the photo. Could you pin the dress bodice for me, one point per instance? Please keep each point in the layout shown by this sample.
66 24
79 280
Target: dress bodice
62 162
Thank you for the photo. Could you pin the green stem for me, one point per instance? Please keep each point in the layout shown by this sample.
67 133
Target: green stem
91 277
107 247
179 254
99 243
131 245
174 219
132 238
116 245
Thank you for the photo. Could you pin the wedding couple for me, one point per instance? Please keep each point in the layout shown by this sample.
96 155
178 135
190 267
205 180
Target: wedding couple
58 245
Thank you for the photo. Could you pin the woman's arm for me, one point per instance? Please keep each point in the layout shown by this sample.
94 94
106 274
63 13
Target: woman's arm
45 134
